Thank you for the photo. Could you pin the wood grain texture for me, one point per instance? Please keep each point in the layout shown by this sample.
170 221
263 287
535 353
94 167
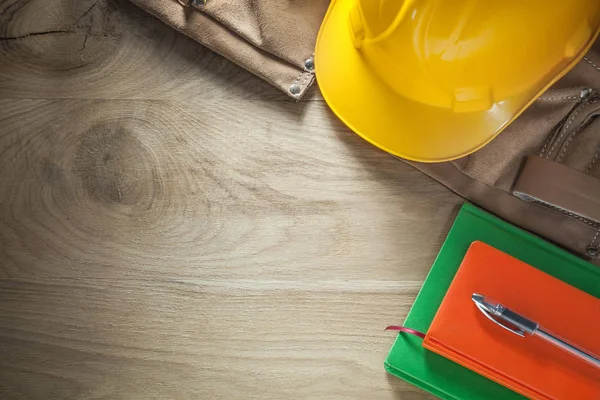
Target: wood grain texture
172 227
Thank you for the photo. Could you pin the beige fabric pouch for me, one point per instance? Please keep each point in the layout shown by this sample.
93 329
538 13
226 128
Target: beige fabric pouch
272 39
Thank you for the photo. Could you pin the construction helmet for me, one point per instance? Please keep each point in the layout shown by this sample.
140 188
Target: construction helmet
435 80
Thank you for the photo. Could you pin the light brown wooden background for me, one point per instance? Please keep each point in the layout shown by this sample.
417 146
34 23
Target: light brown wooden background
171 227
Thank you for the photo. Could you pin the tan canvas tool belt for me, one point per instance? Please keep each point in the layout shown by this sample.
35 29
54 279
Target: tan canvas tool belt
542 173
272 39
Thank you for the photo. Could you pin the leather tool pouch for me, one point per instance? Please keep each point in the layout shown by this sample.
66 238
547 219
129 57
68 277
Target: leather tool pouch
272 39
543 172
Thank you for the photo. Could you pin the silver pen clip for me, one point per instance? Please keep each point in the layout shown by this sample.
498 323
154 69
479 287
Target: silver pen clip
496 312
490 310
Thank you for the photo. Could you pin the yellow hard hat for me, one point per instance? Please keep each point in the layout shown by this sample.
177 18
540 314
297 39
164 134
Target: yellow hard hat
435 80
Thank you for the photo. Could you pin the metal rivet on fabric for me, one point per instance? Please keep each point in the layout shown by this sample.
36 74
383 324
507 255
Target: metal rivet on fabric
310 64
198 3
592 251
585 93
295 88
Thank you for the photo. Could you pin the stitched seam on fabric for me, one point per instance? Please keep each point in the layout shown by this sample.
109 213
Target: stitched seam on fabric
596 67
563 152
568 213
594 239
569 122
297 80
591 166
560 98
549 140
546 144
555 132
307 75
594 242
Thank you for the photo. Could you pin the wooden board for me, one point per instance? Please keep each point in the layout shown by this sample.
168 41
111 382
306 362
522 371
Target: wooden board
172 227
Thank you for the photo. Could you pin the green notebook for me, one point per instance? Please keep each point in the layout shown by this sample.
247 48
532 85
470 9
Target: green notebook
410 361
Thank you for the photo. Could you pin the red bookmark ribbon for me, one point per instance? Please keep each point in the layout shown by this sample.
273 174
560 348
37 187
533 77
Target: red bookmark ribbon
405 330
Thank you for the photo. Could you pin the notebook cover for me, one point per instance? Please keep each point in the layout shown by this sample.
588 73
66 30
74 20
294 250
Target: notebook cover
410 361
530 365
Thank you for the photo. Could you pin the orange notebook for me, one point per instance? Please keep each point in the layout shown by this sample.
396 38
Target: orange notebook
529 365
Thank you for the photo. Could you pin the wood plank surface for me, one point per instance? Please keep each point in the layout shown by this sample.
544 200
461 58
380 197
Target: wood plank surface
172 227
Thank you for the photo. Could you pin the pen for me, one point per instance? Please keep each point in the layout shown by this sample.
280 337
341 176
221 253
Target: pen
495 311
